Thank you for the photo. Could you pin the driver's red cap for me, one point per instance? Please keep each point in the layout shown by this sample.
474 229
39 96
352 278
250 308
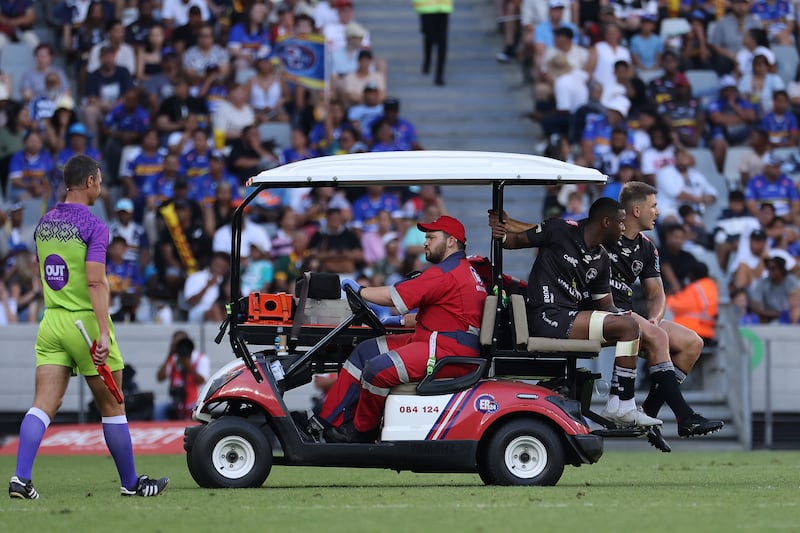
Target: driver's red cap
447 224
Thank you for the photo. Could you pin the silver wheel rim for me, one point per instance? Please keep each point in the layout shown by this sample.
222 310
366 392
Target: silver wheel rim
233 457
526 457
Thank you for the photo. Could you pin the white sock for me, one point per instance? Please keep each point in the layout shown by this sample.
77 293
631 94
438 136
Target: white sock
612 406
627 405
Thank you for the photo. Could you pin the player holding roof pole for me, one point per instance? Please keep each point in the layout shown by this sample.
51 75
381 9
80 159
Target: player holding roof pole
71 247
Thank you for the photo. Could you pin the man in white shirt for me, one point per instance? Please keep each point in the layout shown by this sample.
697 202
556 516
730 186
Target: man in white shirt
202 290
252 234
124 54
175 13
680 184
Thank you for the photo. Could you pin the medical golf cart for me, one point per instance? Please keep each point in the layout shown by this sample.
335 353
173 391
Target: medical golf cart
493 421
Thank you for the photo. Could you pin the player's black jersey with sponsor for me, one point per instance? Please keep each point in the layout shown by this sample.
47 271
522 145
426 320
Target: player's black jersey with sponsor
631 259
566 272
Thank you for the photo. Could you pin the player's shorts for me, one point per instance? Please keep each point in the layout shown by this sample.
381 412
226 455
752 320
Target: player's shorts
59 342
551 322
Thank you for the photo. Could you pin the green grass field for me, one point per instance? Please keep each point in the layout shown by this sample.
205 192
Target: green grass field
624 492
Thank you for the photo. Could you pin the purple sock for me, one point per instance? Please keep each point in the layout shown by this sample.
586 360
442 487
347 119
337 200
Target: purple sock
31 432
118 440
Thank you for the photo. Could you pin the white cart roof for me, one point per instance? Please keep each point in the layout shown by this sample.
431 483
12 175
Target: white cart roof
427 167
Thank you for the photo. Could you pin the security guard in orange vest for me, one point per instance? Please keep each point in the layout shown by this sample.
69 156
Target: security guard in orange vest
695 306
434 17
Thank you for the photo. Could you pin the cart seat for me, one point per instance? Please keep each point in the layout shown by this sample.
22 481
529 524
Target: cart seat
577 348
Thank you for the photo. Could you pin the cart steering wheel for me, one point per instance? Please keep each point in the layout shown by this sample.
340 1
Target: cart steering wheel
359 307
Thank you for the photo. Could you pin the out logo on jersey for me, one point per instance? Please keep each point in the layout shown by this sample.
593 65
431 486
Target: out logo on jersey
637 267
56 273
485 404
614 257
591 274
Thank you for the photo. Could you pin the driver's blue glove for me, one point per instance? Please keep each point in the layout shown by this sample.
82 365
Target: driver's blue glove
352 284
381 311
392 320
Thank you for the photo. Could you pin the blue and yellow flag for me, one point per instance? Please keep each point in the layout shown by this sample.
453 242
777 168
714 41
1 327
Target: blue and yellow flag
303 59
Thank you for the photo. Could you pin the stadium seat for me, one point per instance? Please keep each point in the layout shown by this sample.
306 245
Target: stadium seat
99 210
785 152
279 132
15 60
731 168
704 163
705 83
33 211
787 59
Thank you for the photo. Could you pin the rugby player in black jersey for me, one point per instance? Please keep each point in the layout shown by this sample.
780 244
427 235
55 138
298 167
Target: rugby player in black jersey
572 270
671 349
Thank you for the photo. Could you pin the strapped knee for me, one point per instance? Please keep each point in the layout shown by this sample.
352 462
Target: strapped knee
627 348
596 326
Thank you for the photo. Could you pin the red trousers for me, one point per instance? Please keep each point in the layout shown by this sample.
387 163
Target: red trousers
377 365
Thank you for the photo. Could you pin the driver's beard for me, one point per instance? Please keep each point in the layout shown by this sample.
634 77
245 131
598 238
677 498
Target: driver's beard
435 255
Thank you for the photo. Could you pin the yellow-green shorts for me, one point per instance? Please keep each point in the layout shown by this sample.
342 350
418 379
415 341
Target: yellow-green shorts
60 343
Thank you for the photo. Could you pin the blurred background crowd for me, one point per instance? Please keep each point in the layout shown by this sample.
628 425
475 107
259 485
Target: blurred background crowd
184 100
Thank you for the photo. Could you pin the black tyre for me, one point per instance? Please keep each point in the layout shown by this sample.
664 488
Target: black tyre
230 453
523 452
198 477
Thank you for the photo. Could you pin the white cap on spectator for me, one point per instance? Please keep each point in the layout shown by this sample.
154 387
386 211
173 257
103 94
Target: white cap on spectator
389 237
618 103
727 81
557 3
786 257
354 29
125 204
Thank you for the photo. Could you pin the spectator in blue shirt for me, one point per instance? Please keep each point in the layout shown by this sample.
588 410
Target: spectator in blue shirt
78 143
778 18
29 169
646 46
124 125
141 169
195 163
217 175
780 124
775 188
367 207
731 118
299 149
104 88
249 38
543 37
596 140
403 131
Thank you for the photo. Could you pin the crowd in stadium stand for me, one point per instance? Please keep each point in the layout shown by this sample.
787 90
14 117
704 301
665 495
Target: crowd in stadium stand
184 100
700 99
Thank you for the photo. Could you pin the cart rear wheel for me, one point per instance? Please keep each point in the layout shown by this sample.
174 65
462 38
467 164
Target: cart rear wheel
230 453
523 452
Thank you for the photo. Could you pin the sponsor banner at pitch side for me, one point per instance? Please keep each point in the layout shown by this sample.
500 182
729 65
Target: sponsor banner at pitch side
149 438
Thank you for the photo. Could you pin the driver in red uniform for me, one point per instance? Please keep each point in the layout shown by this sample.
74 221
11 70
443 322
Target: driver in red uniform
449 296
